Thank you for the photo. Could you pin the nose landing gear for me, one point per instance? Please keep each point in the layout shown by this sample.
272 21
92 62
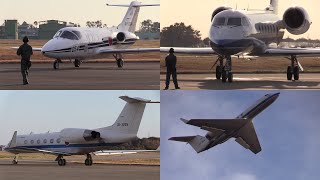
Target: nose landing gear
294 69
119 60
223 71
88 161
61 161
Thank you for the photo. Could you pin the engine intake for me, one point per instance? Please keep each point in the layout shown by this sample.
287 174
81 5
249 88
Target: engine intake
296 20
219 9
121 37
72 135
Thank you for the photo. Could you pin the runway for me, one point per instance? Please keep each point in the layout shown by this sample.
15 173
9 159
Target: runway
245 81
134 75
51 171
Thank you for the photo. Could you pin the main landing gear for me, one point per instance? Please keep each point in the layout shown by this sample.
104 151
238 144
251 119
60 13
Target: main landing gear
88 161
294 69
77 63
61 161
56 63
119 60
15 160
223 71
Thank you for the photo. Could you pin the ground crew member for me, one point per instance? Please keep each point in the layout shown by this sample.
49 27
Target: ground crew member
171 61
25 51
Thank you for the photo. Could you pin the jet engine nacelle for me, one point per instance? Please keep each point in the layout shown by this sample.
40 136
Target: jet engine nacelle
296 20
219 9
72 135
122 36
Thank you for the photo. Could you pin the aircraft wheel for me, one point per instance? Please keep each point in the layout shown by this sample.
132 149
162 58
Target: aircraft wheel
296 73
77 63
289 74
120 63
230 77
60 162
224 75
56 64
64 162
14 162
88 162
218 72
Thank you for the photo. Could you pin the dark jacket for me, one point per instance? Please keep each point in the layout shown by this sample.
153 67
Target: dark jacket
171 62
25 51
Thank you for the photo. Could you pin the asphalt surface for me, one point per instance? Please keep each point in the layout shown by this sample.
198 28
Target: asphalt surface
48 170
244 81
134 75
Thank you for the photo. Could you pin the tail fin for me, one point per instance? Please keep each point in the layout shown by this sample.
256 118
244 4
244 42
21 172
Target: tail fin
131 115
13 142
274 5
198 143
129 21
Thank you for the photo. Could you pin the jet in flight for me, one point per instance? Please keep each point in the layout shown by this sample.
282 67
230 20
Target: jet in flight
220 130
74 141
251 33
79 44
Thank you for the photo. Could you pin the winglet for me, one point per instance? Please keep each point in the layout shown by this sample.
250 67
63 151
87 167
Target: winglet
184 120
13 142
136 100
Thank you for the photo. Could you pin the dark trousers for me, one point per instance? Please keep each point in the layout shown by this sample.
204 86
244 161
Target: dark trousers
174 77
25 65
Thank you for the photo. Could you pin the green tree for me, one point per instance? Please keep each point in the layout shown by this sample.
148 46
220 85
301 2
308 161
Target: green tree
180 35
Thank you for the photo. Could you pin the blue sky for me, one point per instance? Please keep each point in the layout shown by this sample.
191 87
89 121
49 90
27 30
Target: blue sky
288 132
42 111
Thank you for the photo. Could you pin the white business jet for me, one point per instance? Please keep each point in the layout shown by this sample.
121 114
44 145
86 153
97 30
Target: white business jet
79 44
221 130
74 141
249 33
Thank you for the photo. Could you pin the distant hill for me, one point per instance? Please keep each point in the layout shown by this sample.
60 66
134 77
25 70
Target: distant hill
151 143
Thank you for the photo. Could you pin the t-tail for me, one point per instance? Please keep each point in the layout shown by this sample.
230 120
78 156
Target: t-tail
130 117
129 21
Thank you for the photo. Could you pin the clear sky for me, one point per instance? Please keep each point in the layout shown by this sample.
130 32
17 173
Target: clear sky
43 111
198 13
76 11
288 132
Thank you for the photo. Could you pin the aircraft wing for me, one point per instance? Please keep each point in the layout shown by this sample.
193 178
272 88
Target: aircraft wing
184 50
216 124
33 49
134 50
182 138
120 152
292 51
248 138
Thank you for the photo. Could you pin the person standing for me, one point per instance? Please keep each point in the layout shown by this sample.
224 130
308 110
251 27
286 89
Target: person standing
25 51
171 62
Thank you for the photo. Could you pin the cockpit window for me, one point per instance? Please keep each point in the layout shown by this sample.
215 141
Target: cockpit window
234 21
57 34
78 34
219 21
69 35
245 22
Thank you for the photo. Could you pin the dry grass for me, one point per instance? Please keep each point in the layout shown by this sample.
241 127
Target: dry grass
9 55
203 64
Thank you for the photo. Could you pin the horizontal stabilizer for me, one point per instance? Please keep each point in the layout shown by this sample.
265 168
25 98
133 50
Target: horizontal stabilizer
136 100
133 5
198 143
248 138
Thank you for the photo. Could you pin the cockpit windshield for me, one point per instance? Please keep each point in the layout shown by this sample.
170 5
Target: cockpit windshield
220 21
69 35
57 34
234 21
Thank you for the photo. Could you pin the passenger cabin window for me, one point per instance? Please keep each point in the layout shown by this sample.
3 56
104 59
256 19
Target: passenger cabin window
219 21
32 141
25 141
58 140
45 141
69 35
51 141
234 22
38 141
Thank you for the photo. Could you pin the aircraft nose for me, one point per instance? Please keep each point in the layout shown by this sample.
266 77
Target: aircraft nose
47 47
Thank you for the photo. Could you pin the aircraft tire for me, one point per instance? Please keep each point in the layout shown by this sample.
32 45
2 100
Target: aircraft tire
289 74
218 72
14 162
77 63
55 64
224 76
120 63
230 77
296 73
60 162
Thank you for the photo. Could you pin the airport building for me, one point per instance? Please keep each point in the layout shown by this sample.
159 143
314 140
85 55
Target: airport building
29 30
47 29
9 30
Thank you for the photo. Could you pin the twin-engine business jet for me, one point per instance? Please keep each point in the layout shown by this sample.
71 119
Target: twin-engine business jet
221 130
78 44
72 141
249 33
